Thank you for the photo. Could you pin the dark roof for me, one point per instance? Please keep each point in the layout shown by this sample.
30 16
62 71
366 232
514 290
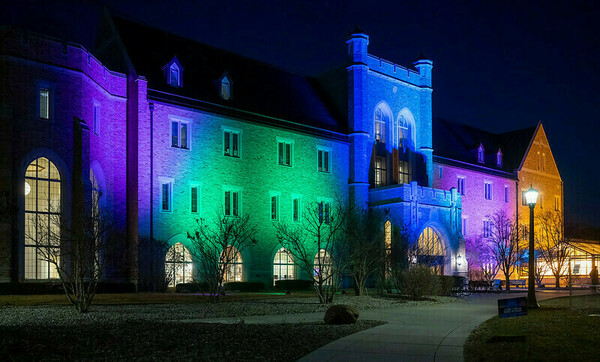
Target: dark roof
257 87
460 142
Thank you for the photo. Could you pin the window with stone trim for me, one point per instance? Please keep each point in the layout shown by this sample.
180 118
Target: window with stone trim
285 149
180 134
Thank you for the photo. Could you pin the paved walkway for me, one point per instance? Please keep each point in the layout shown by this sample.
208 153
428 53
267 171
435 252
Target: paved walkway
420 333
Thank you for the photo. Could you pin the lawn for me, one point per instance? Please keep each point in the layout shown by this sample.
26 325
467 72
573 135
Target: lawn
553 333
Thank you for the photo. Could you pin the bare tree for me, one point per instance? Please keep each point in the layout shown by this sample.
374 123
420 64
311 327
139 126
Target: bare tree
482 262
551 245
366 245
216 246
316 247
504 244
76 251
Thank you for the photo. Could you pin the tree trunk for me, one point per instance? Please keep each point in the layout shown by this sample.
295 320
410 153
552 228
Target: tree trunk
507 281
557 281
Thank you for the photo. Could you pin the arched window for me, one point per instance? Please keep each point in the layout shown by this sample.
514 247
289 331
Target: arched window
431 250
178 265
42 219
283 266
322 266
234 264
387 230
403 135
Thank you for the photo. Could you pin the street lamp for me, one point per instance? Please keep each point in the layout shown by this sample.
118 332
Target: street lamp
531 198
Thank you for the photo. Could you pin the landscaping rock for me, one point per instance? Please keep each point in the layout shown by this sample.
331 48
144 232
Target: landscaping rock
341 314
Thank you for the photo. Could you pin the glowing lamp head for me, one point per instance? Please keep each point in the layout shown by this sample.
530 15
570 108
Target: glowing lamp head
531 196
27 188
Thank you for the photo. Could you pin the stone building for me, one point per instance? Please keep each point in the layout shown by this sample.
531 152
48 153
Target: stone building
172 130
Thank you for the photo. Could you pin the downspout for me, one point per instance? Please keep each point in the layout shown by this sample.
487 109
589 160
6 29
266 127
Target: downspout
517 201
151 172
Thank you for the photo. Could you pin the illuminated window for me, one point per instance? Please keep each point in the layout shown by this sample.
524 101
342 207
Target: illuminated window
402 131
387 230
232 257
166 194
480 154
283 266
180 134
544 162
379 126
487 228
461 185
178 265
195 198
323 159
380 171
556 203
42 219
487 190
231 143
323 267
431 250
296 209
284 152
232 202
225 88
404 172
44 103
275 196
96 118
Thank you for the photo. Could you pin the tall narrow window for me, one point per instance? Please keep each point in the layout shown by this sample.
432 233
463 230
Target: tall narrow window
506 194
284 153
404 174
544 162
480 154
232 200
556 203
499 158
174 81
96 118
387 230
42 219
487 228
180 134
324 212
380 171
225 89
323 160
194 198
402 131
487 190
231 143
461 185
283 266
275 207
322 267
441 172
464 226
44 103
296 209
539 161
166 196
379 126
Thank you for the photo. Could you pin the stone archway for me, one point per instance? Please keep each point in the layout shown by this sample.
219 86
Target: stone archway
430 249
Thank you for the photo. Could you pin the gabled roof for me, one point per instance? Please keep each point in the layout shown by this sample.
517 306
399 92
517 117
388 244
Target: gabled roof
259 88
460 142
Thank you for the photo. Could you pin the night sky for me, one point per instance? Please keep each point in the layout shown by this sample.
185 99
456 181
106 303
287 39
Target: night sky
498 65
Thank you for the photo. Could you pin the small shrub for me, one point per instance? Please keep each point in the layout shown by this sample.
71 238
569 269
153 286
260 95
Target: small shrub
418 281
244 286
445 284
189 287
294 284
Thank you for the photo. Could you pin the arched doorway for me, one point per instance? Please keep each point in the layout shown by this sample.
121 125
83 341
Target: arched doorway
431 250
283 266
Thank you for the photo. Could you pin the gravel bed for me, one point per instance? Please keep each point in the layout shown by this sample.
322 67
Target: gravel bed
110 314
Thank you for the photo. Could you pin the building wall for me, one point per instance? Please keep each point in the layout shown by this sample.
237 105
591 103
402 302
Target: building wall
76 80
475 207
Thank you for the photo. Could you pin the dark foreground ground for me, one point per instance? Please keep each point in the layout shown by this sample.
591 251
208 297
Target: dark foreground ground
136 340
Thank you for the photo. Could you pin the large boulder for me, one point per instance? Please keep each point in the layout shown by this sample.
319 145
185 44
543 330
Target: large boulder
341 314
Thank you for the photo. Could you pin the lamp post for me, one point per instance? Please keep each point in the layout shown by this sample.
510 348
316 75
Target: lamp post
531 197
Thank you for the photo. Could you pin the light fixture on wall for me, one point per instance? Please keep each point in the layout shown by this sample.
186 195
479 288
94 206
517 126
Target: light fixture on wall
27 188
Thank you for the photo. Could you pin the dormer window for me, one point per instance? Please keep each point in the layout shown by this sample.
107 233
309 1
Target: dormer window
173 73
225 91
480 154
174 76
499 158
